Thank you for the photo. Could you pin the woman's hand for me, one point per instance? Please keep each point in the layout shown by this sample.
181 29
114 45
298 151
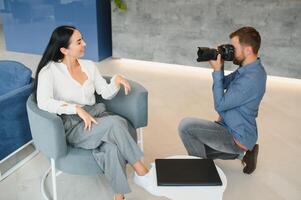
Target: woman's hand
88 119
119 80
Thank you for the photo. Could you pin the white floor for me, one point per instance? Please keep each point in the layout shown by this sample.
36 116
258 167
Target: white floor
176 92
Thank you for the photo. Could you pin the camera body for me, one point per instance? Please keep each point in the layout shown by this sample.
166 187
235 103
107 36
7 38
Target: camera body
206 54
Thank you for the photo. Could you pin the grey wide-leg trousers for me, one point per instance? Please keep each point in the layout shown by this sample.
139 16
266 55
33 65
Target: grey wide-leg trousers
113 146
207 139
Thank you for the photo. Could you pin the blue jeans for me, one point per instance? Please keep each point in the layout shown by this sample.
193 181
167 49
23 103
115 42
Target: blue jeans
207 139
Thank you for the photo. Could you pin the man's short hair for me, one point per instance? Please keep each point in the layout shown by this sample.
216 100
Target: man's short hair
248 36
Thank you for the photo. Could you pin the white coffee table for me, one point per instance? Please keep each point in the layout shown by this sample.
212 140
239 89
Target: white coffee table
190 192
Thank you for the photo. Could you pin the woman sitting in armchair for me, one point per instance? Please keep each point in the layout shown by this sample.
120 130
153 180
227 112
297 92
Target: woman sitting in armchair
65 85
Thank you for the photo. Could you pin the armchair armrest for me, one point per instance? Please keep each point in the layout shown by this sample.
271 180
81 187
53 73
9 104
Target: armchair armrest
133 107
47 130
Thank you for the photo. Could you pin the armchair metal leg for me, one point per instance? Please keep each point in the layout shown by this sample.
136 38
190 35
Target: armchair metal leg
53 174
43 184
140 138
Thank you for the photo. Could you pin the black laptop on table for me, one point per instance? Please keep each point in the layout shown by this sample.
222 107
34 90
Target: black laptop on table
187 172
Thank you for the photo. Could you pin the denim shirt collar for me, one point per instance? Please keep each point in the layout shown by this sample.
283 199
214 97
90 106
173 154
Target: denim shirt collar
249 66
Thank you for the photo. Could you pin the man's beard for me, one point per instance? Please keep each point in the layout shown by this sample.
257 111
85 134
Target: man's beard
237 61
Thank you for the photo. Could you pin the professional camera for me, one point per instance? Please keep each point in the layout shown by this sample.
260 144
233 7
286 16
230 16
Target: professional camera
206 54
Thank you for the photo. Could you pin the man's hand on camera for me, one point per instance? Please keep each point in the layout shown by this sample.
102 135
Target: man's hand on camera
217 64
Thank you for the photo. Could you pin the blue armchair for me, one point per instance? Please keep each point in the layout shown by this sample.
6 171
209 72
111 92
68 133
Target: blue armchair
49 137
15 87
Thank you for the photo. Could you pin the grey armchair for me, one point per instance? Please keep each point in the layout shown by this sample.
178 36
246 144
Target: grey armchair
48 134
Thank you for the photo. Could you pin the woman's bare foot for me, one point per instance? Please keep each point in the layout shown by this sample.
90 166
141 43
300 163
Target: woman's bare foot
140 168
118 197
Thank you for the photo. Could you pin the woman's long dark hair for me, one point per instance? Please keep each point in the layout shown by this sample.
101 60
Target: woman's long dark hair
60 37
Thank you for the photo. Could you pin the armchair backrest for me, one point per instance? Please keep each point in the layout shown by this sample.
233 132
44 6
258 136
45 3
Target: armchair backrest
13 75
133 107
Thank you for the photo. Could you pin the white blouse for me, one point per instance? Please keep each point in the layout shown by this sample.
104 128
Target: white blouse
58 92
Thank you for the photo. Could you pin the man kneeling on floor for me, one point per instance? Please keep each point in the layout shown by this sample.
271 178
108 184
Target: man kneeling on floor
236 99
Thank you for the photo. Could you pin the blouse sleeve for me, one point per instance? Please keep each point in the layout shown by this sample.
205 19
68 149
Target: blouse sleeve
107 91
45 96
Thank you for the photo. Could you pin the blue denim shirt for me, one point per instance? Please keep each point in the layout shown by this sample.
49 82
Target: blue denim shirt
237 97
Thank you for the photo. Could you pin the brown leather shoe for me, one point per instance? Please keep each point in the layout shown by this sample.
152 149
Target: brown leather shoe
250 160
